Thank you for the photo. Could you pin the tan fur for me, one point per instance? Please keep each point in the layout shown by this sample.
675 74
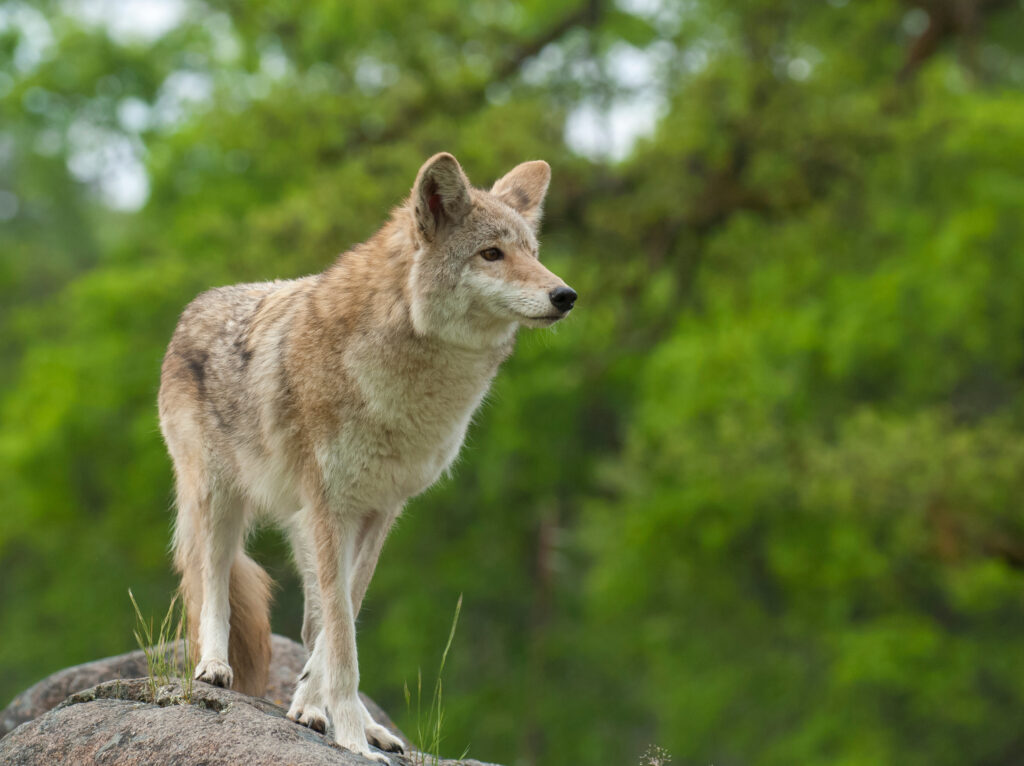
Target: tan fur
324 403
249 647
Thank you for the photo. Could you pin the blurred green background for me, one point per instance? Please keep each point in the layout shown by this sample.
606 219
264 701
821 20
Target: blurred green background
759 501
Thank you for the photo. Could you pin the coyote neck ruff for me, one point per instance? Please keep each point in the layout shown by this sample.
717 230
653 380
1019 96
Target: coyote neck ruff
324 403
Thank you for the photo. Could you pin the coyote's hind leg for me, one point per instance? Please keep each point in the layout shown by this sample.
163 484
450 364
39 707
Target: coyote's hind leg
304 553
220 518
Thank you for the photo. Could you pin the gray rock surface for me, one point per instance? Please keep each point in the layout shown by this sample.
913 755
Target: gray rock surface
287 659
104 712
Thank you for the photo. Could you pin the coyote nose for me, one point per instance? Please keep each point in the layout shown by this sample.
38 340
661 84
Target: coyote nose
562 298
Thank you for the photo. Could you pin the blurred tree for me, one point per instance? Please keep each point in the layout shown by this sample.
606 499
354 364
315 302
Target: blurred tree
756 502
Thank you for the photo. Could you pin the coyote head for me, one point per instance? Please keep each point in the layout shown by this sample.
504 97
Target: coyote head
476 276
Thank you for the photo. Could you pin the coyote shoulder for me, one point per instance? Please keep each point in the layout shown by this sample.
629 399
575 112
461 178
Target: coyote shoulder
324 403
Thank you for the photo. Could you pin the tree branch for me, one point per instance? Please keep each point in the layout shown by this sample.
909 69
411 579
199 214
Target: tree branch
588 14
946 19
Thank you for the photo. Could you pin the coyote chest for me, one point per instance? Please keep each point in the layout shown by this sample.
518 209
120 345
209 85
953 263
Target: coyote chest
406 428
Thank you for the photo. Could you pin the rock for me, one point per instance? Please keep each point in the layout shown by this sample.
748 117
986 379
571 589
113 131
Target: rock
287 659
122 722
97 713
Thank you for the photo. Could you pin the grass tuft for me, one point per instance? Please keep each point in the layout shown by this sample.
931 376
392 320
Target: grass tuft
167 655
429 728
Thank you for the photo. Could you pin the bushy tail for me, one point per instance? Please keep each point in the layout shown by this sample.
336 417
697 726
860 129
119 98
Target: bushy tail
249 645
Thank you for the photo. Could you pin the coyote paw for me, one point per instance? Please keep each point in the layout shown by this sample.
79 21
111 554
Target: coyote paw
349 719
363 750
215 672
308 708
380 737
313 716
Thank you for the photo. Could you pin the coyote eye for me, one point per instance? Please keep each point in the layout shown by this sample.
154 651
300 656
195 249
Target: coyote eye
492 254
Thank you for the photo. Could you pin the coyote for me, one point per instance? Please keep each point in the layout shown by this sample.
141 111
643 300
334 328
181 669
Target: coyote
324 403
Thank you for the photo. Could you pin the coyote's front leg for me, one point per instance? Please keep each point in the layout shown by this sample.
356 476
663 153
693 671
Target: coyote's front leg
369 541
329 684
374 530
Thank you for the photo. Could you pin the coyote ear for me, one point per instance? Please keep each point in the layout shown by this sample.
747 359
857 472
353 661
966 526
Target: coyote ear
523 189
440 194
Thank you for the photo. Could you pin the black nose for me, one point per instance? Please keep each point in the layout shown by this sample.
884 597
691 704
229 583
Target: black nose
562 298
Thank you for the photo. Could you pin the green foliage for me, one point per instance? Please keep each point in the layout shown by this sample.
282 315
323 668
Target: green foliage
756 502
